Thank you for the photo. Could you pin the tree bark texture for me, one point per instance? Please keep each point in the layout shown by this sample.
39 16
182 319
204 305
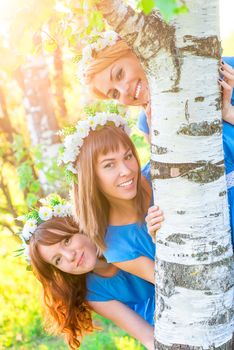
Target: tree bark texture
42 123
194 264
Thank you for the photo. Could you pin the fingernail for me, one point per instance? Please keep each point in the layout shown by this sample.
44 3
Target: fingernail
220 80
221 68
222 62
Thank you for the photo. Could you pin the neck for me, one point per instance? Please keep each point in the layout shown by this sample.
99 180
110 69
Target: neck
104 269
122 212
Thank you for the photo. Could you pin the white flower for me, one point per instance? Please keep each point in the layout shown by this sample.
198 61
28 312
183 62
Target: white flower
29 228
100 44
45 213
68 209
70 154
59 210
87 52
111 37
74 142
83 127
93 122
71 168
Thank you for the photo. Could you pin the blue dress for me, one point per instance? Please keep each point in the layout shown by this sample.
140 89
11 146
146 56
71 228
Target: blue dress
128 242
131 290
228 146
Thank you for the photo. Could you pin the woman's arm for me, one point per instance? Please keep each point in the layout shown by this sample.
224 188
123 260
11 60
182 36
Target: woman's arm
126 319
142 267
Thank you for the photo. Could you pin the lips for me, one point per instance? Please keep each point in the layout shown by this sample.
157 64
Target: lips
138 89
126 183
80 259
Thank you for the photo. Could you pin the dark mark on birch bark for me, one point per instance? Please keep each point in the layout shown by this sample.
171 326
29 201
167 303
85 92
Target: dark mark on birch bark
201 129
199 99
198 277
205 47
186 112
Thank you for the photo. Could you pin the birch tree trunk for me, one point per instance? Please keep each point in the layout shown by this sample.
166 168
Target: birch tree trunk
59 83
194 267
42 123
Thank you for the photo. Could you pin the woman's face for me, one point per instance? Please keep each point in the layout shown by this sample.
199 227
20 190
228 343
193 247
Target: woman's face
75 254
124 80
117 174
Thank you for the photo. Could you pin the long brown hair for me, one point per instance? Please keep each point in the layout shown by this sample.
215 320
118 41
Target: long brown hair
103 59
64 294
91 206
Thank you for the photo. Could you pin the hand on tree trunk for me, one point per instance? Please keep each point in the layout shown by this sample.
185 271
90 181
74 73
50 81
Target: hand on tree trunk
153 220
227 83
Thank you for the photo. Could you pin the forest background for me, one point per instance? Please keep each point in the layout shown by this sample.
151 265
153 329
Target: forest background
40 45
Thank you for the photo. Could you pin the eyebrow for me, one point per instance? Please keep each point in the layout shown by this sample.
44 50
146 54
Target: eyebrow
111 159
111 79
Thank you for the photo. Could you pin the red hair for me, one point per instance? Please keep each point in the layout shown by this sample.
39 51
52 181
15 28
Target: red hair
64 294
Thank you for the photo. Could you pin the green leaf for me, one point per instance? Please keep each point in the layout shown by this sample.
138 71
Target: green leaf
31 200
25 175
34 186
146 6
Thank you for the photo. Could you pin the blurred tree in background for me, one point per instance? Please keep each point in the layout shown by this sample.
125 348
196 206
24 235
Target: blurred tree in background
40 44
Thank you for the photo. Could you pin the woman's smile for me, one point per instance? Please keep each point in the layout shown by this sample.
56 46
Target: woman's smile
117 174
75 254
124 80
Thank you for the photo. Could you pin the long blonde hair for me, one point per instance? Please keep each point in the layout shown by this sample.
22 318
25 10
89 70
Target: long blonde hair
90 204
103 59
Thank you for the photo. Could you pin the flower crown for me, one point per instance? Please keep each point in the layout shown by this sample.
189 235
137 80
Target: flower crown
52 206
76 135
97 43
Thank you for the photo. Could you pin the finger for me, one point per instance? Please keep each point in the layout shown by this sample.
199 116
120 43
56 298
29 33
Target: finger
154 215
153 208
154 228
156 220
228 75
227 67
224 84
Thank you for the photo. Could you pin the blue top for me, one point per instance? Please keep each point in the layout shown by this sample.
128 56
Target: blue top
128 242
228 146
131 290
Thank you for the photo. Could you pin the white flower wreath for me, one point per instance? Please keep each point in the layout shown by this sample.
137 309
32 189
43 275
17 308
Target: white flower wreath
53 206
74 141
104 39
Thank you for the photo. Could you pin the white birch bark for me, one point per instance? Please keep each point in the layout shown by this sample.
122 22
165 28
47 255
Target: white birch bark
194 265
41 119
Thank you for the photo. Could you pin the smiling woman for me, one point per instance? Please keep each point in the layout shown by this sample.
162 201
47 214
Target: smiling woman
111 195
75 282
123 80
